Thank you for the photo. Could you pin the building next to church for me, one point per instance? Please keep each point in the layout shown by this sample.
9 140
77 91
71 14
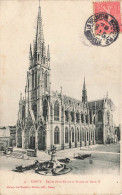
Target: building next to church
48 118
7 137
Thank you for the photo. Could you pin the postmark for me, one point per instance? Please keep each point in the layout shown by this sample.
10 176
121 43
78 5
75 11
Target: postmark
101 29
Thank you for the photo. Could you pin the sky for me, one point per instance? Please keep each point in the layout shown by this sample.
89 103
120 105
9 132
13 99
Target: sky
72 55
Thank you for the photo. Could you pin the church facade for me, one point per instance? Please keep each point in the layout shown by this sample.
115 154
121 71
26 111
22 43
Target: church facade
47 118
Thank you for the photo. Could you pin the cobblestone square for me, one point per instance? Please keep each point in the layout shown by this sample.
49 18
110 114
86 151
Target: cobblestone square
105 159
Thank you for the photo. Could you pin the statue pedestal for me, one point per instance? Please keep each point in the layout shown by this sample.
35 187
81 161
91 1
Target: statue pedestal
53 157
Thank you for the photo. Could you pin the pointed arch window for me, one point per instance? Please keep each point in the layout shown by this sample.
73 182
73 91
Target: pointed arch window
72 116
32 79
51 110
77 117
94 119
91 135
66 135
83 134
86 118
34 108
56 136
78 134
87 136
36 79
45 109
23 113
56 111
66 116
73 135
45 80
82 119
100 117
90 115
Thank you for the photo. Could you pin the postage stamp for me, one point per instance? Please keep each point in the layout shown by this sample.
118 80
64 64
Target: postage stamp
111 7
101 29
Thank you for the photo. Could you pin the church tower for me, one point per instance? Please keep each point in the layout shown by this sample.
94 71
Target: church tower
84 93
38 76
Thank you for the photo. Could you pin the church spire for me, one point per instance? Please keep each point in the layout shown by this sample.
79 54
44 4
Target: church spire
84 85
39 44
48 53
84 92
30 57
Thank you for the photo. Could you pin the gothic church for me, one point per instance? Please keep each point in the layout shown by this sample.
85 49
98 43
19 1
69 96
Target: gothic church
48 118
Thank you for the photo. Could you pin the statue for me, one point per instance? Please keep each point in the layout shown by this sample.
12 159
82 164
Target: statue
52 152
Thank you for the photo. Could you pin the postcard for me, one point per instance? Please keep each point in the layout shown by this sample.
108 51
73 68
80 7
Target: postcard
60 97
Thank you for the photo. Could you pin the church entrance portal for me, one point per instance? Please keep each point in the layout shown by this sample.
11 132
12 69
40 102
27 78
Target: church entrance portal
32 138
41 139
100 135
32 142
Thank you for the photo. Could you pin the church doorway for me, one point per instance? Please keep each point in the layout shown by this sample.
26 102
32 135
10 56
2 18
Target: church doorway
32 142
32 138
41 139
100 135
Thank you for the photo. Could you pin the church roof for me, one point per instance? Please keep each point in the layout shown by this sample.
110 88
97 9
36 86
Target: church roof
69 100
96 104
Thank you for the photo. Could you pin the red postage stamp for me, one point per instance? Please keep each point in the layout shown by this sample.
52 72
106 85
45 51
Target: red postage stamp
110 7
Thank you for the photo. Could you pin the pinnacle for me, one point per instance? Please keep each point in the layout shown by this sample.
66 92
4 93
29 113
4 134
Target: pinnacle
84 85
